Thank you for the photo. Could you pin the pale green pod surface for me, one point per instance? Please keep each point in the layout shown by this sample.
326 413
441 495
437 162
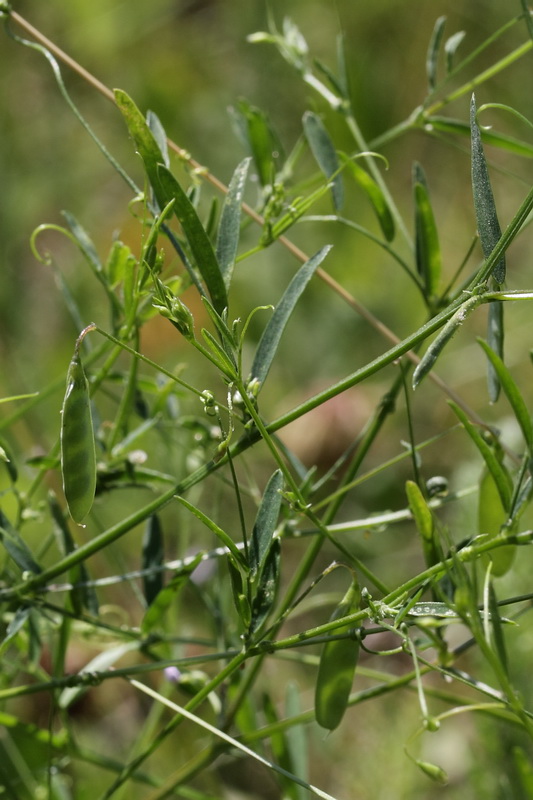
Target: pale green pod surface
337 668
78 456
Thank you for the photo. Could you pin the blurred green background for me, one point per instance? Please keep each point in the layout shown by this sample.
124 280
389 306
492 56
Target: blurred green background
189 61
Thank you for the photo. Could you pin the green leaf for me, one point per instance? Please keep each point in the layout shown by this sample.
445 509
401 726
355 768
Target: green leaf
265 522
167 595
17 547
441 340
491 518
495 336
268 344
230 222
485 208
501 140
267 588
497 628
427 247
100 663
255 131
433 52
83 241
512 393
499 473
450 48
154 123
424 522
325 154
374 194
153 556
167 188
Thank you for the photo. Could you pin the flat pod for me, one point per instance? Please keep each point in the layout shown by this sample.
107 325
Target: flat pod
337 667
78 457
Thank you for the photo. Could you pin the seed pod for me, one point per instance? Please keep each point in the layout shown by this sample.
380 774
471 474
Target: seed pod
337 667
78 457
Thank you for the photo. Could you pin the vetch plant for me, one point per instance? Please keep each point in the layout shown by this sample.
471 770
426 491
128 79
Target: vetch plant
171 560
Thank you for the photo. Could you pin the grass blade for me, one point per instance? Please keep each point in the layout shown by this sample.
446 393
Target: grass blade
325 154
427 247
512 393
230 222
268 344
501 140
485 208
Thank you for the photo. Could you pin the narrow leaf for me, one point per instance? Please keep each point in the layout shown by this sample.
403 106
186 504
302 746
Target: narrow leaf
441 340
141 134
153 556
491 519
495 336
497 628
375 195
432 56
268 344
485 208
154 123
267 589
230 222
255 131
496 469
501 140
167 188
265 522
83 241
420 510
167 595
450 48
512 393
325 154
427 247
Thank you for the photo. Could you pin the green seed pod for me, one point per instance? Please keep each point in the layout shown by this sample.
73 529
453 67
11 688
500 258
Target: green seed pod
337 667
78 457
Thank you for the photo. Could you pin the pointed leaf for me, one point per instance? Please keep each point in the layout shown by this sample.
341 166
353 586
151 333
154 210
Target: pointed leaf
485 208
433 52
495 335
325 154
450 49
153 556
428 256
512 393
441 340
501 140
83 241
374 194
17 547
268 345
496 469
154 123
141 134
168 188
230 222
265 522
267 588
497 628
255 131
167 595
491 518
